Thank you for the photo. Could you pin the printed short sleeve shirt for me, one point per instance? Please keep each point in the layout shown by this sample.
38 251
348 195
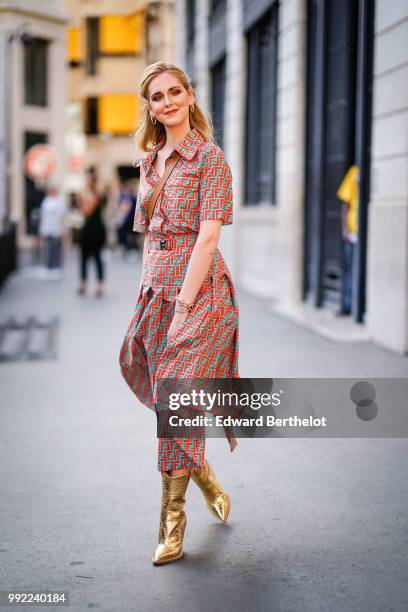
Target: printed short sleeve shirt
198 189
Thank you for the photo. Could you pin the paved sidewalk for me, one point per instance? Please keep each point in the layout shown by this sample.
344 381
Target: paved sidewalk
318 524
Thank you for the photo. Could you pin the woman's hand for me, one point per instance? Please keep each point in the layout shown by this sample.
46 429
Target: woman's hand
179 317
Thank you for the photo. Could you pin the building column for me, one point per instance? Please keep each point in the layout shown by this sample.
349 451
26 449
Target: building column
234 124
201 55
387 265
291 151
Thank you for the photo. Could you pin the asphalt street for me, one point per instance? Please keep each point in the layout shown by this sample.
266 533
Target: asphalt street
315 524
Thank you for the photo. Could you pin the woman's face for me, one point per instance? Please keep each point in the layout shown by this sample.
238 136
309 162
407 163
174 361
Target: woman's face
167 94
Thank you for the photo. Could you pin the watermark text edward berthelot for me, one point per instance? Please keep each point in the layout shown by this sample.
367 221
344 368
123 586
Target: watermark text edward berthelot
268 420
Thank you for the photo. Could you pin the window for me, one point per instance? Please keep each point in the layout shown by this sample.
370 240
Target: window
190 37
191 9
36 72
91 116
92 44
74 46
261 97
217 7
121 35
218 100
117 113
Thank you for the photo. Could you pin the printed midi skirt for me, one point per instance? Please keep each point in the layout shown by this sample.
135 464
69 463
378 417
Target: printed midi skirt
204 346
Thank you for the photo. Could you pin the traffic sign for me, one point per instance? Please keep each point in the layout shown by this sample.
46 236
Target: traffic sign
40 161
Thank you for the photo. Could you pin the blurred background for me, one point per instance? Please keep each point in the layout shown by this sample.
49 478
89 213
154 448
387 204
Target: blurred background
308 100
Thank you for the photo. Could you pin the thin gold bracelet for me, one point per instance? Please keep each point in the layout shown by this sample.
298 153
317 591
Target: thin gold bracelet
185 304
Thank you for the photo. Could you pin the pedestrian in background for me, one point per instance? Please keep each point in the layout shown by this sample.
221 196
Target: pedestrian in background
348 194
92 236
51 229
125 213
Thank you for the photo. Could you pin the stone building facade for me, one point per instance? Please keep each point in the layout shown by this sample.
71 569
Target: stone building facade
299 92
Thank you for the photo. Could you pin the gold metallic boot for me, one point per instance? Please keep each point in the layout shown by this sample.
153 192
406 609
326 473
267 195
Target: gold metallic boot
172 519
218 502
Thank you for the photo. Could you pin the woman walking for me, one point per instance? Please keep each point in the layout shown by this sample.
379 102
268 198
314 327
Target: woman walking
92 235
185 323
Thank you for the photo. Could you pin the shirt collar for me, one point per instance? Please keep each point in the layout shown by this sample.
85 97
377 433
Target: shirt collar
187 147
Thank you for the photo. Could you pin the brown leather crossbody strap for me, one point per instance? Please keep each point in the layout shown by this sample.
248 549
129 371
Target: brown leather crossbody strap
160 185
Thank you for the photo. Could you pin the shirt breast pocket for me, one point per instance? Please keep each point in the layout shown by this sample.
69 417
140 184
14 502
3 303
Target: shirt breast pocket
182 191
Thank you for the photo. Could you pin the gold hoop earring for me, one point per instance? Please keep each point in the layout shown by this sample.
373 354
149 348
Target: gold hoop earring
153 119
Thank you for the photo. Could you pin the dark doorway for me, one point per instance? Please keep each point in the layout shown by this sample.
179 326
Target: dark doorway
339 87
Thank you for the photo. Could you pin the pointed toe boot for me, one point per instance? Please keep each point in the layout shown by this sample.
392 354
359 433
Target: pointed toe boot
172 519
218 502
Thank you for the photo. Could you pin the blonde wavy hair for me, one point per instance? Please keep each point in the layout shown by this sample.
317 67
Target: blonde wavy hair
149 134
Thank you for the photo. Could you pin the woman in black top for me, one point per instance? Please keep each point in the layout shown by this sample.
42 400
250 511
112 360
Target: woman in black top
92 236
